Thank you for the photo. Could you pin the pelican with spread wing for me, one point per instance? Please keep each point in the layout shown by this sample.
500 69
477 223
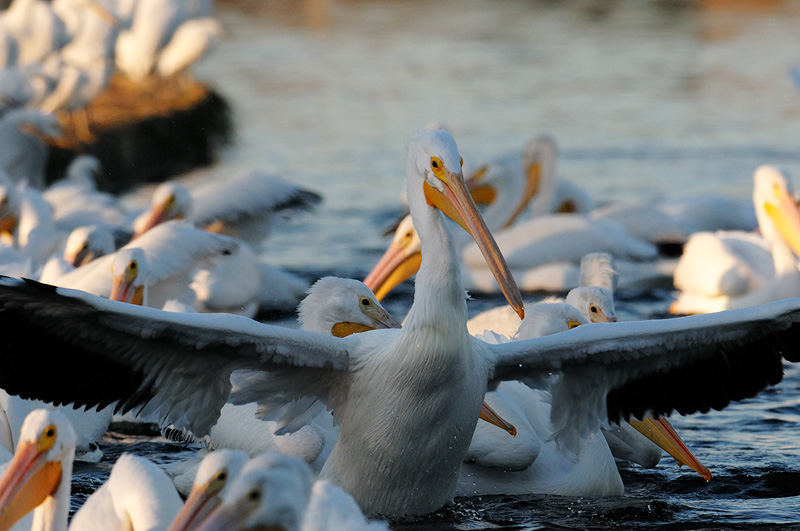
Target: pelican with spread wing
406 400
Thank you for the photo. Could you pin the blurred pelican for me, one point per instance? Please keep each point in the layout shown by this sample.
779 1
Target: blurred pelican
725 270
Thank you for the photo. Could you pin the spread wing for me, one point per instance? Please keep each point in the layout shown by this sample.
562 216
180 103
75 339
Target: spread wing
67 346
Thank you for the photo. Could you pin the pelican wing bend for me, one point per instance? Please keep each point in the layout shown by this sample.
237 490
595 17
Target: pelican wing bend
174 365
685 364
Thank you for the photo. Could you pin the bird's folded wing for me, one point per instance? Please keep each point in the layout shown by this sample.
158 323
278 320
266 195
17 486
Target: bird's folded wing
687 364
67 346
249 194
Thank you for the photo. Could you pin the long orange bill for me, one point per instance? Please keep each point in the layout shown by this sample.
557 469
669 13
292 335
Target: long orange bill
200 503
454 200
395 266
661 432
26 483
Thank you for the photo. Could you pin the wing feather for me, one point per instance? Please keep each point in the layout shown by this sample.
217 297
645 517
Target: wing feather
688 364
67 346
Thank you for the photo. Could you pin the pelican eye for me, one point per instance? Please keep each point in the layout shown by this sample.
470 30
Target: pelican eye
48 438
222 476
437 166
254 495
365 301
593 308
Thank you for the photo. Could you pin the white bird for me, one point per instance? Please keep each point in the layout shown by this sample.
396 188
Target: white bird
334 306
38 477
83 245
138 495
725 270
212 479
673 221
173 250
23 153
89 425
190 42
274 491
247 205
393 455
153 23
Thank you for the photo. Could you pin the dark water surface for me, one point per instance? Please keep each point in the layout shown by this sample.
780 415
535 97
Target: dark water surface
647 99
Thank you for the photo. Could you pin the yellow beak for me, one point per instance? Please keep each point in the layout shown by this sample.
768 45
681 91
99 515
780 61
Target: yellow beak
661 432
786 217
27 482
201 502
456 203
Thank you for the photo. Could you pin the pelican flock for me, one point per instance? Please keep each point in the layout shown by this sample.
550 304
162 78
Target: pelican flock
351 417
405 401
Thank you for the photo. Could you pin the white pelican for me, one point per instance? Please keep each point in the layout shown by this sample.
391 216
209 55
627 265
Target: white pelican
89 425
211 480
334 306
725 270
246 205
38 477
406 400
83 245
673 221
274 491
173 251
23 154
545 252
138 495
189 43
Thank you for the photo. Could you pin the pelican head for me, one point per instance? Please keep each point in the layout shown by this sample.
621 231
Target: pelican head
171 200
129 274
433 159
86 243
41 468
777 213
342 306
595 303
215 473
271 492
400 261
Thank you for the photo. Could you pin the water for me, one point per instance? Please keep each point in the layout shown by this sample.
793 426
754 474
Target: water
647 99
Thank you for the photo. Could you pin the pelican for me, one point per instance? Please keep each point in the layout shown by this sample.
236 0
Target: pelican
725 270
515 184
406 400
38 477
246 205
172 252
274 491
189 43
673 221
212 479
138 495
83 245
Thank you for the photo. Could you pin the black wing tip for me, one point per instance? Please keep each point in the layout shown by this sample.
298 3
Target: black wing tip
729 375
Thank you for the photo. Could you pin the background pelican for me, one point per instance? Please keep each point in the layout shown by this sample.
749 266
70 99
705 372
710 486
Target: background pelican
724 270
